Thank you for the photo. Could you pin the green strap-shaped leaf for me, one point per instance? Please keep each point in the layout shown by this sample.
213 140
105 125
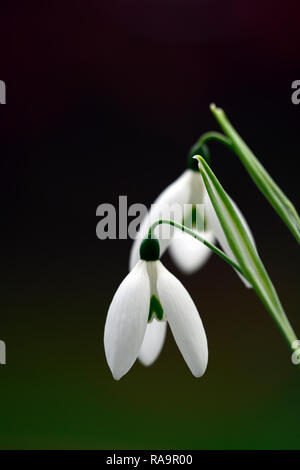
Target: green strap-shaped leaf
244 250
260 176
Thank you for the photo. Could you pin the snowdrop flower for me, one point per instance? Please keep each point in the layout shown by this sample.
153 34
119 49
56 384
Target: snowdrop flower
188 189
150 293
188 254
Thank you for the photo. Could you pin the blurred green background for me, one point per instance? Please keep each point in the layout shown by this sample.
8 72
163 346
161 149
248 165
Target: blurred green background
57 390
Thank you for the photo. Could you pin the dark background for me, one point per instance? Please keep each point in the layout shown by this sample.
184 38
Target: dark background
104 98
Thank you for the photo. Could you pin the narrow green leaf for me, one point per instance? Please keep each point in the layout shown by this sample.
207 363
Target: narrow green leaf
260 176
244 250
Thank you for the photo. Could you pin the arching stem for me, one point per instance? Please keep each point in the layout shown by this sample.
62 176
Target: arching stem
193 234
213 135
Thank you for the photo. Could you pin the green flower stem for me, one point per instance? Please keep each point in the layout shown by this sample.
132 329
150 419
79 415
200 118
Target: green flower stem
196 149
259 175
244 251
185 229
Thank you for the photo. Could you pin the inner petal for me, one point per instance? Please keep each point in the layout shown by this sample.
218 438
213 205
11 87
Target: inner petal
155 309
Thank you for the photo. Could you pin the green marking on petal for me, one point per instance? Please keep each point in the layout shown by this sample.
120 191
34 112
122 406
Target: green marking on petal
194 220
198 221
155 309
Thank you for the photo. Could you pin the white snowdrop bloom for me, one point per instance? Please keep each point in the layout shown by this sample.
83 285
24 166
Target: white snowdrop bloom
188 254
188 189
151 293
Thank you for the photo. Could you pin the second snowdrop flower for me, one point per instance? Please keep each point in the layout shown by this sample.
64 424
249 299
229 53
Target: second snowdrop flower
150 293
188 190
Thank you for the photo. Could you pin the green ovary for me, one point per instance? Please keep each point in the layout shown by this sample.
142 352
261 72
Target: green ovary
155 308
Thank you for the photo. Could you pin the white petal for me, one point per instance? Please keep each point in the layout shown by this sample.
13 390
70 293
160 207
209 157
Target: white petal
126 321
190 254
177 193
153 342
197 188
184 320
214 225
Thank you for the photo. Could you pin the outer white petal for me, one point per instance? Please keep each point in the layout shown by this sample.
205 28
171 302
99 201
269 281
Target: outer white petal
153 342
184 320
188 253
126 320
214 225
197 188
179 193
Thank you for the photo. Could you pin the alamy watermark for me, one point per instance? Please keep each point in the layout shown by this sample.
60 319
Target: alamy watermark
296 354
2 352
296 94
114 223
2 92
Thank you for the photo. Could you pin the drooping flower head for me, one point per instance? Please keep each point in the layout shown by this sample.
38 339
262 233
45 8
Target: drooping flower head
151 295
187 191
